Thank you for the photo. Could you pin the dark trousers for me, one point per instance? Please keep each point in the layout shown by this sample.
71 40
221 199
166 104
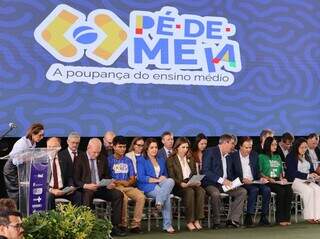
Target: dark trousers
75 199
236 207
252 191
283 201
193 200
112 195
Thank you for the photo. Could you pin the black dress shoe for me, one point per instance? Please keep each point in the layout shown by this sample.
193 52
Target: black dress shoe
117 232
234 224
136 230
264 221
248 221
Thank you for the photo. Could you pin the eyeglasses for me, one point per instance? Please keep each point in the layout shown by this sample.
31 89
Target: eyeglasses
140 145
17 226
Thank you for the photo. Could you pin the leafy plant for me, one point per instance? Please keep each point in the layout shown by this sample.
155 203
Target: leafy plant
68 222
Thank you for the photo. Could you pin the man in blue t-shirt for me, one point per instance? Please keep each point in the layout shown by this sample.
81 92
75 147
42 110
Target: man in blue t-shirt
122 172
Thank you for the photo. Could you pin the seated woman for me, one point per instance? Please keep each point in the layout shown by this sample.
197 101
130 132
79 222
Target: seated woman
135 151
199 146
181 167
299 169
271 169
152 180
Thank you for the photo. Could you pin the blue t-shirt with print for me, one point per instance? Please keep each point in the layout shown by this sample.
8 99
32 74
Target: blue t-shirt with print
120 169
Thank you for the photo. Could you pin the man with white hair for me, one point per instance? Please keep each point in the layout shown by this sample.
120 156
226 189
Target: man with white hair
71 152
89 170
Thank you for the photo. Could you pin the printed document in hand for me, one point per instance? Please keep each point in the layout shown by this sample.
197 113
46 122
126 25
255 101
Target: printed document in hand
105 182
235 183
196 179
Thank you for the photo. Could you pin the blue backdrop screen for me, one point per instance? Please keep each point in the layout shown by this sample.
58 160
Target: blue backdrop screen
79 65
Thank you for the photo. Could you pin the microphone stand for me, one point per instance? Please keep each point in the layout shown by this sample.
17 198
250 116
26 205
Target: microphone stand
4 146
6 133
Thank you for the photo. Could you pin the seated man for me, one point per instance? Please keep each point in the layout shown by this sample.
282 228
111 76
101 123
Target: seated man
217 167
122 171
61 177
71 152
246 167
10 225
167 140
284 145
88 171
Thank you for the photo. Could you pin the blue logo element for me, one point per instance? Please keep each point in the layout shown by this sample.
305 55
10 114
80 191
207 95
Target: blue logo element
85 35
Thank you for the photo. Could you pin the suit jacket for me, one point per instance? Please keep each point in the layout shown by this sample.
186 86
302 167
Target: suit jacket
162 153
212 167
145 171
65 155
317 150
66 168
280 152
292 168
253 163
175 170
82 172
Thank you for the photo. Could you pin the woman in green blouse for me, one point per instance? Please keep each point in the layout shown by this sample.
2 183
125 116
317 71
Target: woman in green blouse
272 170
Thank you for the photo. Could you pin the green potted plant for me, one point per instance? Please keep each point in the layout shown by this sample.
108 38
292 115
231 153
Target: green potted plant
68 222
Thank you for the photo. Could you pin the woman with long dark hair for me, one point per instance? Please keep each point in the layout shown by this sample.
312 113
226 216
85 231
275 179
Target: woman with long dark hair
300 171
153 180
181 167
271 169
200 145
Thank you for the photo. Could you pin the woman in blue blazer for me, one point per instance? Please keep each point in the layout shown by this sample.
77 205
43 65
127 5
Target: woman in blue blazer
153 181
300 171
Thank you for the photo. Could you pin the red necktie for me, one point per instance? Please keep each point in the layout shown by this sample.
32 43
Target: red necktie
55 174
74 155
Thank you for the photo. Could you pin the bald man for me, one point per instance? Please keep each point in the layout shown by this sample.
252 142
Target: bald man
61 176
89 170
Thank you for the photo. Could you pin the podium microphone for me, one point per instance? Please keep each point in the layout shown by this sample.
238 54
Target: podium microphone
3 145
11 127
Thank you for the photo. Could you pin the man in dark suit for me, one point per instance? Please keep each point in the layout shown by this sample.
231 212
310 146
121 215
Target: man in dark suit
167 140
88 171
217 167
71 153
61 177
284 145
246 166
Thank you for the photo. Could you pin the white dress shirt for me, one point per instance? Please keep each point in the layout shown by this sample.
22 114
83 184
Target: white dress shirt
186 171
314 158
22 144
60 183
245 165
71 154
224 168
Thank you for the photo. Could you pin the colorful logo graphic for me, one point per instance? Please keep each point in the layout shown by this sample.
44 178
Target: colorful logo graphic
68 35
171 42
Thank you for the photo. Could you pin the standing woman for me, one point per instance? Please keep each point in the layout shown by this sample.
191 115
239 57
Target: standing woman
135 151
34 134
199 146
153 180
271 169
181 167
299 169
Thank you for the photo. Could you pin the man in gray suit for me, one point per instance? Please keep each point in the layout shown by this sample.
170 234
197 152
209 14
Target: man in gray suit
167 140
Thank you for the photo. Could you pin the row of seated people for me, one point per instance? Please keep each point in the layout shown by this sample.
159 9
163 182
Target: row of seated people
158 177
